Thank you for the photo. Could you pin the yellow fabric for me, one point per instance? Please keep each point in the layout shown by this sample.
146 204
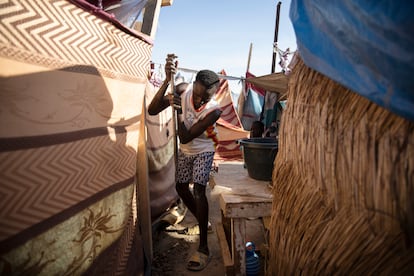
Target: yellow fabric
273 82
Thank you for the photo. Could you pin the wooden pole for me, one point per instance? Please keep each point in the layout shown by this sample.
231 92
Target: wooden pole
249 57
150 20
275 38
174 117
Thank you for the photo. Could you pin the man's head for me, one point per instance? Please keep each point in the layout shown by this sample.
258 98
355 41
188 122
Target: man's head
205 85
207 78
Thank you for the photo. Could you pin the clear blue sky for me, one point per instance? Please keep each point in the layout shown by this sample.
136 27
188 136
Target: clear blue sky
216 34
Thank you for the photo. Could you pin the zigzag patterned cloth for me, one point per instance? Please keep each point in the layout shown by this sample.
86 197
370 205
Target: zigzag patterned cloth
72 90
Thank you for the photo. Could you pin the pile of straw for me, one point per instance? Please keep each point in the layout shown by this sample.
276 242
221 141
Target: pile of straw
343 184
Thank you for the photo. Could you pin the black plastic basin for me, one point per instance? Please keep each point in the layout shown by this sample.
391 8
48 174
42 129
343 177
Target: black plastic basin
259 155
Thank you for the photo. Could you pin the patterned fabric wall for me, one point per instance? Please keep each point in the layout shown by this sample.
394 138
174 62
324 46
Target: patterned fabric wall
71 88
229 126
160 150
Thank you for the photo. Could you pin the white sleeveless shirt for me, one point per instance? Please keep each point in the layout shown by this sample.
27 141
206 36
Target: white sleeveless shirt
208 140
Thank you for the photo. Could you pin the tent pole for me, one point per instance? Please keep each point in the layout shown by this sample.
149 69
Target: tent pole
174 115
275 37
249 57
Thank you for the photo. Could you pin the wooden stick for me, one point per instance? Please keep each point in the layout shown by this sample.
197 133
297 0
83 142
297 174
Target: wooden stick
249 57
174 117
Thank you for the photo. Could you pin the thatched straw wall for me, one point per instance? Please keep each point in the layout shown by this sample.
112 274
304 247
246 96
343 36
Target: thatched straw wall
343 184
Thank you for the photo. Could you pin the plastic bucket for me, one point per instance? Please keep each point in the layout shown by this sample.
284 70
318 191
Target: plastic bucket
259 155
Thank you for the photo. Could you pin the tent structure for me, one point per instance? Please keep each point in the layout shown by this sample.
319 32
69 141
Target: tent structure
250 103
276 82
160 150
73 152
275 86
229 126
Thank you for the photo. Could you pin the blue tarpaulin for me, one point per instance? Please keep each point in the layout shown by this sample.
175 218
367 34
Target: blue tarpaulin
367 46
252 108
253 104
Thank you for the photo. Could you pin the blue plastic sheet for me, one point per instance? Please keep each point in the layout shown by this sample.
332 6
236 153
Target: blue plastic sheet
252 108
367 46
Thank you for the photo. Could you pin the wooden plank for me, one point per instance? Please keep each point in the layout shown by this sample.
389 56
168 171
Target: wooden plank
226 223
245 209
234 180
244 196
235 176
247 192
166 3
239 245
151 15
233 198
225 252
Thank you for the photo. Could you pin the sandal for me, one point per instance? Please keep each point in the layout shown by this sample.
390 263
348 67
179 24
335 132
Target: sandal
194 230
198 261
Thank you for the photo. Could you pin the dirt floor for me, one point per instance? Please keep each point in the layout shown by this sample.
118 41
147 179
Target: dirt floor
172 250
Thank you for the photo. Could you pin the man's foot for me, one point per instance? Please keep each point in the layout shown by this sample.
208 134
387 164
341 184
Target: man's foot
198 261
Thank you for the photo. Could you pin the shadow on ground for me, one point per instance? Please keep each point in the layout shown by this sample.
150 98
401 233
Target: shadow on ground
172 250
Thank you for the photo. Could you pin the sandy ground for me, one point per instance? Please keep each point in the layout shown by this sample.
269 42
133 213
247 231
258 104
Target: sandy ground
172 250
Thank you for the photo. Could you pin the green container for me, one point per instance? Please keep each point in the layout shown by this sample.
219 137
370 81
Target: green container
259 155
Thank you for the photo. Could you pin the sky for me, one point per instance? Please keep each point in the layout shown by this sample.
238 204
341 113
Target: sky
217 34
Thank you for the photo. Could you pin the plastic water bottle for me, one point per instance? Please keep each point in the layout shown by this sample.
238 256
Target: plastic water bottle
252 260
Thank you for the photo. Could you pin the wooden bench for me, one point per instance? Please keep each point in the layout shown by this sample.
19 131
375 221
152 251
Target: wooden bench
244 198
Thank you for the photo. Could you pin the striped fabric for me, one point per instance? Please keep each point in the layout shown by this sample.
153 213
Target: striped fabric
229 126
72 90
160 149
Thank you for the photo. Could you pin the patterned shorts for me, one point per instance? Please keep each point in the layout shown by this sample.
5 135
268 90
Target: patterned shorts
194 168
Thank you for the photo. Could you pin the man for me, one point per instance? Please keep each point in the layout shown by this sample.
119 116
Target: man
197 112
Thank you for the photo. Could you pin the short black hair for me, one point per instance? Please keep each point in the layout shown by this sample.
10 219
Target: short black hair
207 78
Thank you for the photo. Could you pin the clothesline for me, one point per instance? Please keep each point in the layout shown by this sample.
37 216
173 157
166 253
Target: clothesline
187 70
283 56
220 75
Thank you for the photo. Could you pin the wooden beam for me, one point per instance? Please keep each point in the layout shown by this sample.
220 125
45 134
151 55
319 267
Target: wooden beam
150 20
238 233
166 3
225 251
